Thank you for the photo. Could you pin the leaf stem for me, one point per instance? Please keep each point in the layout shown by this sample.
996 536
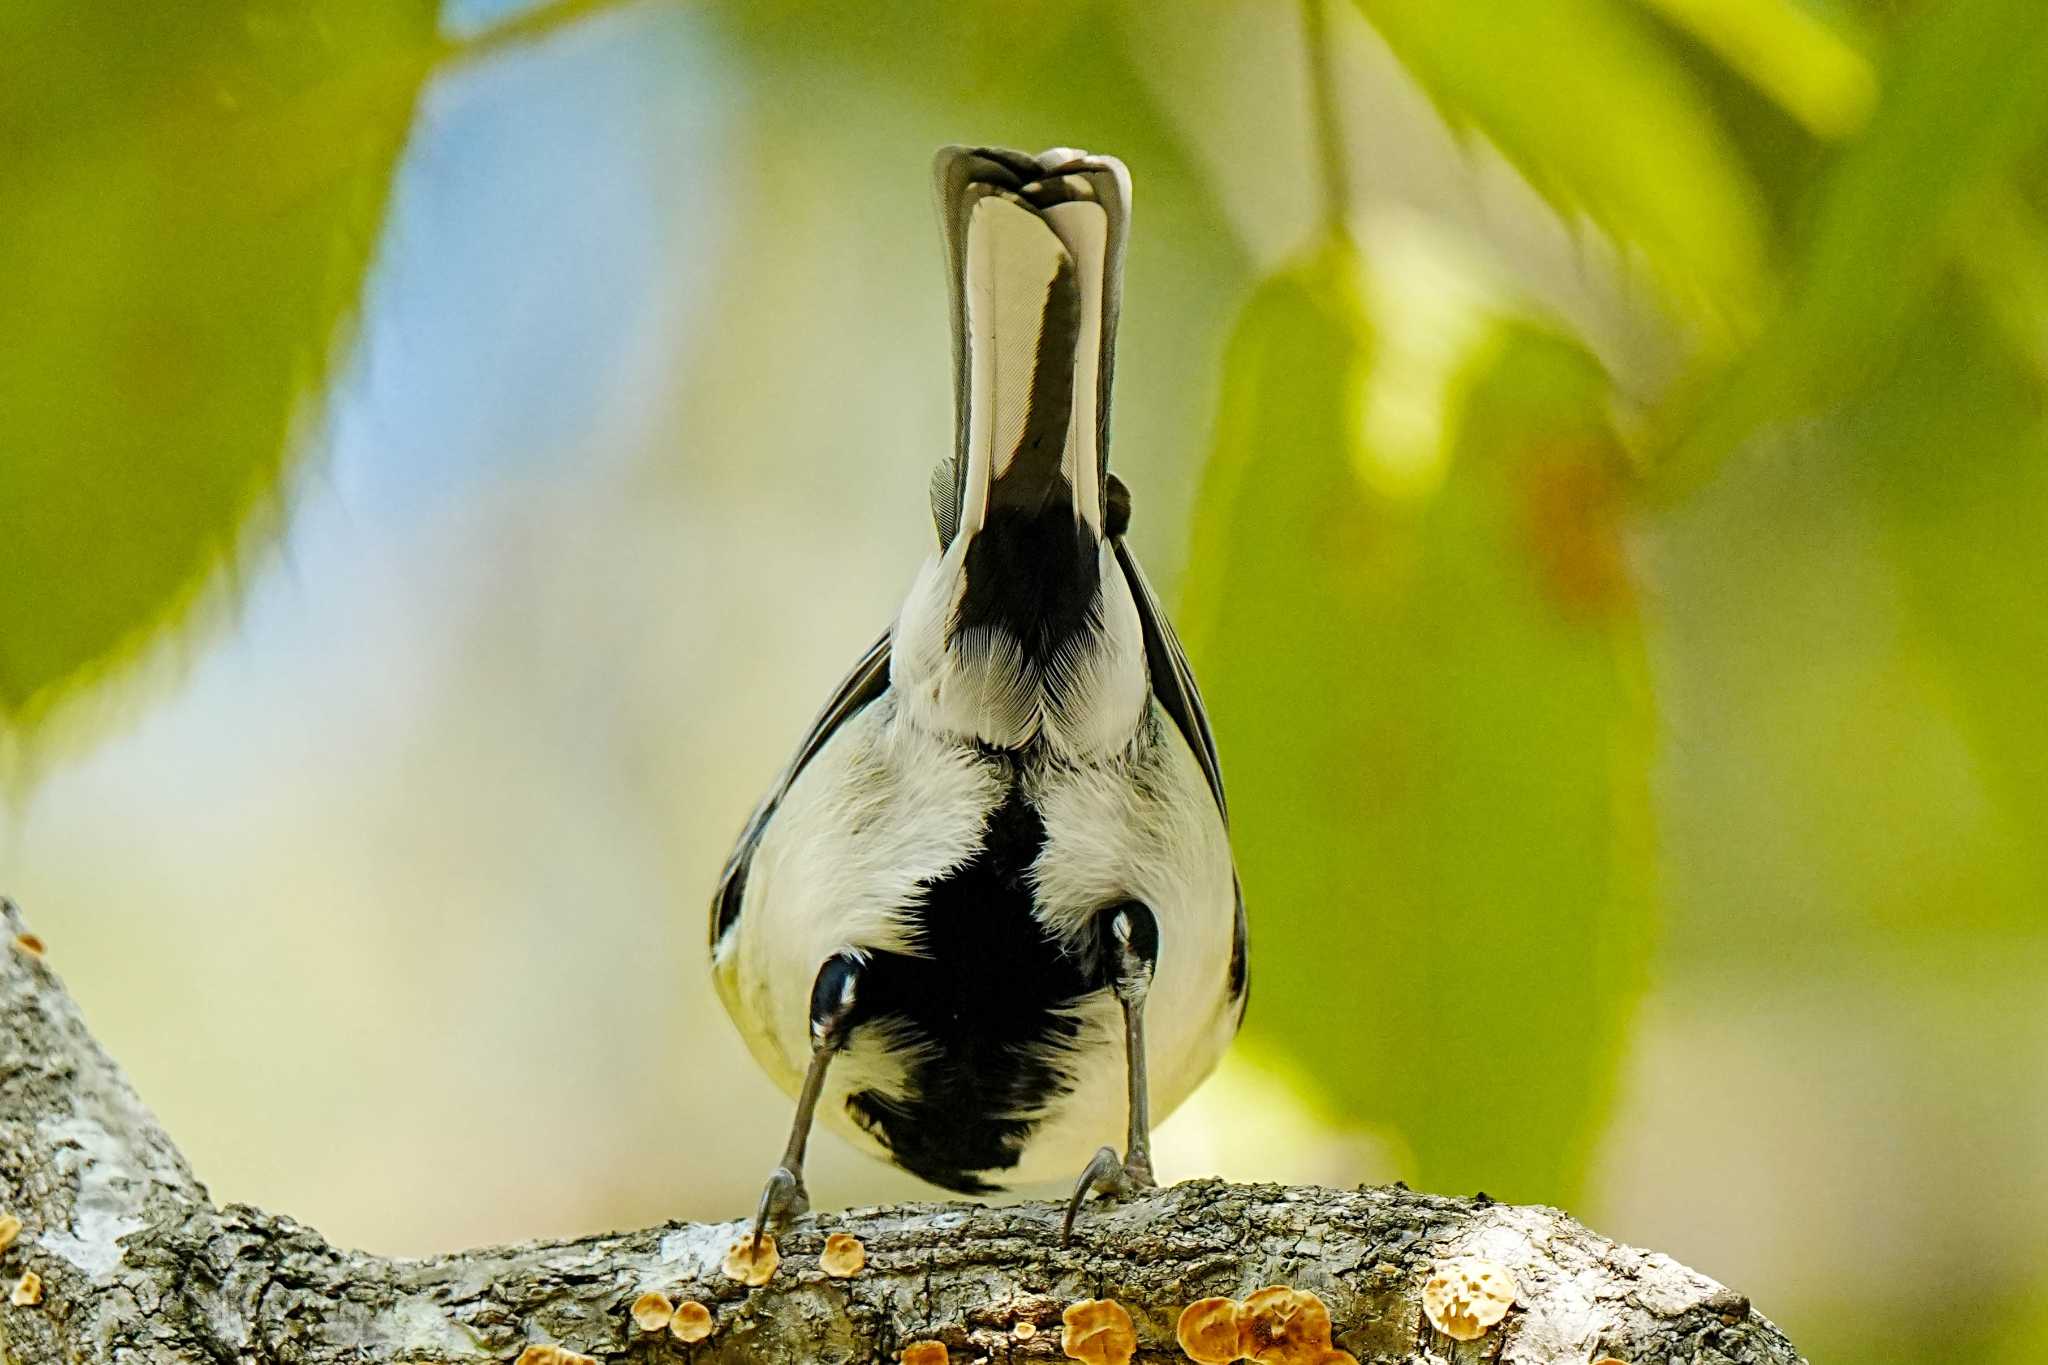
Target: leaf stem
1329 133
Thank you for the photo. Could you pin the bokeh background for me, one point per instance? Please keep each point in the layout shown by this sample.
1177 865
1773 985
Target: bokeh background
1596 449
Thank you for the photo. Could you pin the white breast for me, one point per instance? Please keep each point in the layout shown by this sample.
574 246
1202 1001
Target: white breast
1153 835
879 811
884 808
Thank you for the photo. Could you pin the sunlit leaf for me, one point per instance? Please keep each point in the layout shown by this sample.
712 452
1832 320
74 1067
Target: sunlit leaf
1435 730
2003 249
1965 100
1604 121
1788 51
1281 587
192 193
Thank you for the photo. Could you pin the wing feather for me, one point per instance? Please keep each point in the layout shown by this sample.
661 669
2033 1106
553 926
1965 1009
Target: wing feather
1173 682
868 680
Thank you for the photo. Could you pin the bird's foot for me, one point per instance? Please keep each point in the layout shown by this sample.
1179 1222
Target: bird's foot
783 1199
1110 1176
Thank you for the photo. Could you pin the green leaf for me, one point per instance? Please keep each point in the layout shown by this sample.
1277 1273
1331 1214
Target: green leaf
1965 101
193 191
2005 258
1787 51
1434 724
1602 119
1950 449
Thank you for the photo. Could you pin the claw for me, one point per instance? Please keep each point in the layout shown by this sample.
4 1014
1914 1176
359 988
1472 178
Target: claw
1111 1176
784 1197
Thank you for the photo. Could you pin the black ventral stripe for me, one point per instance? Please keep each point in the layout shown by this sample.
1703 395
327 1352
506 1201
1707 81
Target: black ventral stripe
987 994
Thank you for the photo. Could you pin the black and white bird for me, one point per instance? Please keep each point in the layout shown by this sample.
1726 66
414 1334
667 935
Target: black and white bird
988 914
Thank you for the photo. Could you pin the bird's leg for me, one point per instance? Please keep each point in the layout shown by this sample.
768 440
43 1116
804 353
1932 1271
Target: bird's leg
1130 950
834 999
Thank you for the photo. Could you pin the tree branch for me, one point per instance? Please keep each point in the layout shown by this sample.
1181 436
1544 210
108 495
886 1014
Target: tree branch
137 1263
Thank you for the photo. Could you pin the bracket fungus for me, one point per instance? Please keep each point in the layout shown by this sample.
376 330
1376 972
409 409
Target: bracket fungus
1098 1332
742 1264
691 1322
843 1257
1277 1325
28 1290
924 1353
1466 1296
553 1355
1208 1330
1280 1325
652 1311
10 1228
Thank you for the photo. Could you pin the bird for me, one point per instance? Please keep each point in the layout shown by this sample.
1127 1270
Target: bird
988 915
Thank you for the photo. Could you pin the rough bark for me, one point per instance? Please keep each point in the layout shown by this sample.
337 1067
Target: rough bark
137 1263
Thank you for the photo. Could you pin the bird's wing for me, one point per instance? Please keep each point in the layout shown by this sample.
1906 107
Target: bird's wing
868 680
1173 682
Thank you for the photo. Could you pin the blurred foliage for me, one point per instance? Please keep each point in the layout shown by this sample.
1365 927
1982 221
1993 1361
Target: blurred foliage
1894 212
192 193
1437 717
1609 123
1436 694
1805 63
1436 721
1949 447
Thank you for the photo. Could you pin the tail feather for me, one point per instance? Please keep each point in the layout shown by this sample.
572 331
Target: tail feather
1035 251
1023 309
1083 227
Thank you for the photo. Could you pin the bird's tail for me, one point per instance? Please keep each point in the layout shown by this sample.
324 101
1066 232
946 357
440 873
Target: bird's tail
1034 249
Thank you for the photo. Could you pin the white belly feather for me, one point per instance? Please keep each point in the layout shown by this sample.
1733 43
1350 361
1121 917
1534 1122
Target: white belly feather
841 860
